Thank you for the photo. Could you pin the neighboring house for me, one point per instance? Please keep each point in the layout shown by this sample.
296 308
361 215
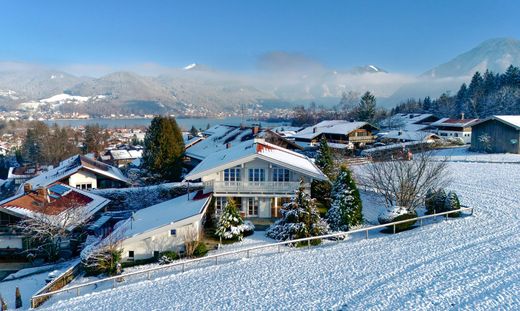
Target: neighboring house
57 199
450 128
260 176
162 227
409 121
21 174
400 136
339 134
286 131
81 172
122 157
220 137
498 134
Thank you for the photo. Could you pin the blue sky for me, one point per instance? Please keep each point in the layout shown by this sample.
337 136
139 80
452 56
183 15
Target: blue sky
400 36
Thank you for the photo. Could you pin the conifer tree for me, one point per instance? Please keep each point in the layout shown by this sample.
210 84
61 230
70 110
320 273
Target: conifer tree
451 202
18 298
193 131
346 207
3 304
321 189
300 219
366 110
164 149
230 224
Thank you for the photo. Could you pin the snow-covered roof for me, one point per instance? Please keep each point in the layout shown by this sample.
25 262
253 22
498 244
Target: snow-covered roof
454 122
409 135
511 120
341 127
123 154
71 166
392 146
164 213
60 197
252 149
408 121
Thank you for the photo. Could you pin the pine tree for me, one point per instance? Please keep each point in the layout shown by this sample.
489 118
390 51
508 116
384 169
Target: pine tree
96 139
346 207
320 189
164 149
230 224
18 298
300 219
461 101
366 110
193 131
451 202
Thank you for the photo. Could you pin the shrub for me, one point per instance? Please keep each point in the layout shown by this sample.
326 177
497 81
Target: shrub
200 250
452 203
404 226
168 257
230 224
397 213
435 201
248 228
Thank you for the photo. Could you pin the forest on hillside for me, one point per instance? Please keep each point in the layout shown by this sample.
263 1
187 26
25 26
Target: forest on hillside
487 94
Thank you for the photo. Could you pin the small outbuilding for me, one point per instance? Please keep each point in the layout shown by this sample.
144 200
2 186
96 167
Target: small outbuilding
497 134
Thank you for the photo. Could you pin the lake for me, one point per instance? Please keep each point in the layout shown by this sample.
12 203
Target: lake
184 123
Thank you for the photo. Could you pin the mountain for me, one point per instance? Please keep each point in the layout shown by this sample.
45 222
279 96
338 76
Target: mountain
494 54
367 69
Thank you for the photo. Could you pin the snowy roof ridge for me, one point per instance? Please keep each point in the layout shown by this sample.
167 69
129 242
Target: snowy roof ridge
511 120
251 149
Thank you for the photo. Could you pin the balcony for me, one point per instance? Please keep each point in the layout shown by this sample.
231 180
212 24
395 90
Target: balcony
238 188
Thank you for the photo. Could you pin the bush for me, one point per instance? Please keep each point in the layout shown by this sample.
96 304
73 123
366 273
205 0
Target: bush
200 250
404 226
248 228
168 257
452 203
435 201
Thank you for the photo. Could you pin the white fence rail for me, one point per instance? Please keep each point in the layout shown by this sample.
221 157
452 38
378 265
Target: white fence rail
215 258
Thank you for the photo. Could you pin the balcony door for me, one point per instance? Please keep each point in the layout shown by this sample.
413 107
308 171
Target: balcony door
252 207
256 176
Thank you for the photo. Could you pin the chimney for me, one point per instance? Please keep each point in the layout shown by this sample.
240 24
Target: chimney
27 187
462 116
255 129
228 145
314 129
42 193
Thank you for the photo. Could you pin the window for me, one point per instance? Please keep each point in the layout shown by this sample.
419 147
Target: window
280 174
156 254
131 254
173 232
86 186
252 207
256 174
232 174
220 202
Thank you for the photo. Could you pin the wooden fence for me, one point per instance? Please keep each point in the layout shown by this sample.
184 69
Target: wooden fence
43 295
56 284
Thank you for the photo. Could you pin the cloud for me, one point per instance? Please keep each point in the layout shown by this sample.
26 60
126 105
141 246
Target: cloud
289 62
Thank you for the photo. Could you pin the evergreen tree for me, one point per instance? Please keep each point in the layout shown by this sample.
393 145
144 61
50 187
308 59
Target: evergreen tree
451 202
461 101
300 219
427 104
96 139
346 207
18 298
476 92
366 109
164 149
230 225
320 189
193 131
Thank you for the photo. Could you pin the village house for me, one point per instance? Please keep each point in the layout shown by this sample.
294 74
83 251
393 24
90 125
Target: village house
81 172
497 134
19 175
340 134
220 137
57 200
258 175
400 136
163 227
454 128
121 157
409 122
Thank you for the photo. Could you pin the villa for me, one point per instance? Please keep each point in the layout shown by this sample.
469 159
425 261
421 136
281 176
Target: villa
258 175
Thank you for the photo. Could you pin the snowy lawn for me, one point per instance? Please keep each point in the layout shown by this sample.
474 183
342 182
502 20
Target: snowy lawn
462 154
29 281
470 263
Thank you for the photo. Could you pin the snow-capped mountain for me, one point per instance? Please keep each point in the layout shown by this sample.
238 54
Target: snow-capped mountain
494 54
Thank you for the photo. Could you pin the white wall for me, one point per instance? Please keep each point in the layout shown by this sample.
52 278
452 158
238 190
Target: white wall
160 239
83 177
11 242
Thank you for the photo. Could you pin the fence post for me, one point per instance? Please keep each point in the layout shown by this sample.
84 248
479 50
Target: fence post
420 222
148 275
394 228
77 292
308 243
114 283
279 248
183 267
447 216
366 234
247 254
216 260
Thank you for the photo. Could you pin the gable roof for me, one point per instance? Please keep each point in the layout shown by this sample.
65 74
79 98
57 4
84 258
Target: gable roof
252 149
454 122
511 120
58 198
408 121
164 213
223 135
341 127
409 135
71 166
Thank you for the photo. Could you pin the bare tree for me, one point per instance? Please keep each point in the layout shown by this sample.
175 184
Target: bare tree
191 239
48 230
403 182
105 256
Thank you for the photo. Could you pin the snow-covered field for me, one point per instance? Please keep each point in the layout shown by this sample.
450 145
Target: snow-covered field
470 263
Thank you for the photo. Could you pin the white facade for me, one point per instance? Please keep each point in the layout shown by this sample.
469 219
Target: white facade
83 180
170 237
465 135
